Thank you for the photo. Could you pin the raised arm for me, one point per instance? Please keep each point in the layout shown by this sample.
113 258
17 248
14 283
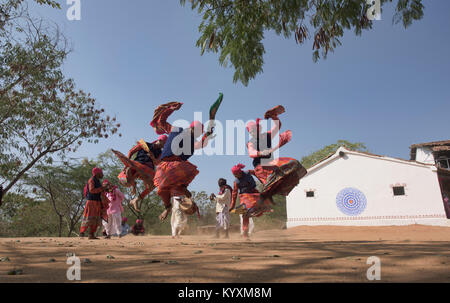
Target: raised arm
203 143
162 112
252 152
276 128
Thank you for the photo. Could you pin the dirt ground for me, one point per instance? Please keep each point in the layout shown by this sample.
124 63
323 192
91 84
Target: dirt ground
303 254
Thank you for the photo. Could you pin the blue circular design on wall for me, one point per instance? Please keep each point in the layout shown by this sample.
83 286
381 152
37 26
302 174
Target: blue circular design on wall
351 201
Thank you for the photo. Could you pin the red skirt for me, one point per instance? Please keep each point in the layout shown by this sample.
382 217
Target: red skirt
173 174
92 215
250 201
280 176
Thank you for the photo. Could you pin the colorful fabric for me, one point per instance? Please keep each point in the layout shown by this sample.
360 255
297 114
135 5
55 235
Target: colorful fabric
237 168
96 170
280 176
111 191
91 216
172 174
93 189
115 198
248 201
146 153
172 179
274 112
162 112
285 137
144 172
245 184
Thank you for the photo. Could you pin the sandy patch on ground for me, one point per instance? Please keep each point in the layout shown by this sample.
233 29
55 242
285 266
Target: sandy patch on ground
304 254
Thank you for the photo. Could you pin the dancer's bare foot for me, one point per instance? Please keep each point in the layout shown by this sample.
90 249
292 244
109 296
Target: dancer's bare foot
164 214
134 204
92 237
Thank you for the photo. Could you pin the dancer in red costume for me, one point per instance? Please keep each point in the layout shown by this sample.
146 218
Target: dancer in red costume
278 176
96 205
143 166
245 186
175 172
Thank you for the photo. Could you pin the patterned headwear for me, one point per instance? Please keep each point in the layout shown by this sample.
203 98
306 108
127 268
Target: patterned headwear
196 125
96 171
237 168
139 221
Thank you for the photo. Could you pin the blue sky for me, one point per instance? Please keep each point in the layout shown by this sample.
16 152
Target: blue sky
388 88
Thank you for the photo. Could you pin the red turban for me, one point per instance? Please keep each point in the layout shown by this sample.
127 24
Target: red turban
237 168
96 171
124 219
106 181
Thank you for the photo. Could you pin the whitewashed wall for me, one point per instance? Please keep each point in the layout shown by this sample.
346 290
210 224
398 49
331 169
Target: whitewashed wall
374 176
424 155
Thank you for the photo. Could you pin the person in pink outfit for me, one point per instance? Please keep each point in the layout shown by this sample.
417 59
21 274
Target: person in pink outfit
115 210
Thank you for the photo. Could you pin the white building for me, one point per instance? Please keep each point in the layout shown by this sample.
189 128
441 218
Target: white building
362 189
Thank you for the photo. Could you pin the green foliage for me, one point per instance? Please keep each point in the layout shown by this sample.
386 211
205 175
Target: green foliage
42 114
236 28
316 156
52 3
62 188
22 216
